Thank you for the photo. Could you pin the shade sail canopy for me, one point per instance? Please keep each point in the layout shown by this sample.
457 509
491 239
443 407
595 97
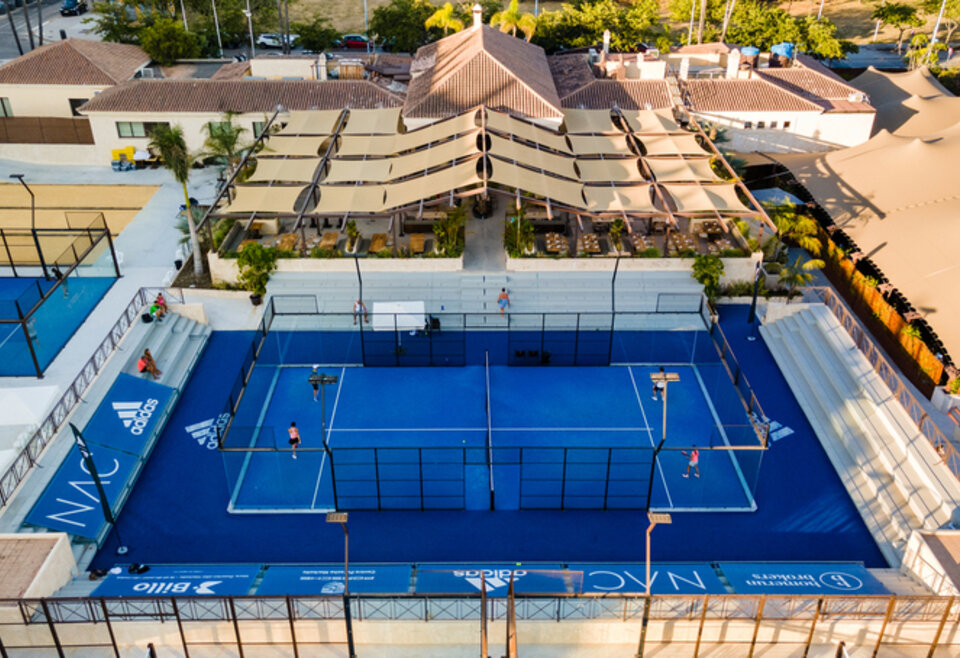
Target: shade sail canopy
311 122
685 144
437 183
599 144
397 143
670 170
272 200
695 198
351 171
610 170
296 170
437 155
512 176
911 104
625 199
373 122
297 146
532 157
588 121
650 121
341 199
508 125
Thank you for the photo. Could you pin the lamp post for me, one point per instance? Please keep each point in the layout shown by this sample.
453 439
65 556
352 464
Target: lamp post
33 221
341 518
666 378
654 518
216 23
249 15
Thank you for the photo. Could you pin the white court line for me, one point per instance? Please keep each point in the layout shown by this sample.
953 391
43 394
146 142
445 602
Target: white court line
650 434
323 458
495 429
255 436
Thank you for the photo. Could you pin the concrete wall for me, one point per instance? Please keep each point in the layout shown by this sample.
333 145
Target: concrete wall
45 100
808 131
65 154
920 562
276 68
735 269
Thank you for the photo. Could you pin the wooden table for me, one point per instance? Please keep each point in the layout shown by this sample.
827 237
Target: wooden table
681 242
556 243
288 242
329 240
378 242
640 242
712 227
417 242
588 243
658 224
724 244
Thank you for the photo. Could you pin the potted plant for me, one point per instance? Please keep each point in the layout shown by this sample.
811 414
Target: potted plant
447 232
707 270
616 231
353 236
256 264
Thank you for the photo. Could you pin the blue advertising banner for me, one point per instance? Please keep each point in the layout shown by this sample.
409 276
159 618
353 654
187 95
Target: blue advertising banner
200 580
466 579
321 579
665 578
70 502
126 417
802 578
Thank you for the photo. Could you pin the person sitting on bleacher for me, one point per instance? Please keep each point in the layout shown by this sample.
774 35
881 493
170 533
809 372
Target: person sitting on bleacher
147 364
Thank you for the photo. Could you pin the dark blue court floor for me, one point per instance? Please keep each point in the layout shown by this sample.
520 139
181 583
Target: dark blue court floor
177 510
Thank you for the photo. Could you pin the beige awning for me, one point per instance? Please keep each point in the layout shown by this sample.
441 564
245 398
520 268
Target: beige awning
628 199
507 124
706 198
391 144
281 145
677 169
557 189
297 170
685 144
351 171
532 157
427 187
588 121
373 122
610 170
336 199
651 121
311 122
599 144
274 200
435 156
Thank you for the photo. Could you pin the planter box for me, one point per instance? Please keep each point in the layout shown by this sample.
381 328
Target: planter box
735 269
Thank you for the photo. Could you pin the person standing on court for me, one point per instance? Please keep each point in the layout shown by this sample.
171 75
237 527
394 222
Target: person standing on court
295 438
503 301
314 380
358 309
659 385
693 461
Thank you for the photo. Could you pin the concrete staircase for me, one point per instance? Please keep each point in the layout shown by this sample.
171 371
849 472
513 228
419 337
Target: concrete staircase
891 471
176 344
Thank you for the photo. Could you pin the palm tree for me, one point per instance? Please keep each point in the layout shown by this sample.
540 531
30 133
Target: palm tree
798 228
799 274
224 141
510 20
168 142
444 19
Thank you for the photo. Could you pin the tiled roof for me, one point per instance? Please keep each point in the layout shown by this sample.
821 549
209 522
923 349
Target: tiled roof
754 95
818 84
570 72
231 71
243 95
705 48
75 62
481 66
625 94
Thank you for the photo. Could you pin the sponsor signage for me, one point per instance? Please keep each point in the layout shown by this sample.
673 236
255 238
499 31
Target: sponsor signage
467 579
801 578
206 433
201 580
665 578
70 502
127 416
327 579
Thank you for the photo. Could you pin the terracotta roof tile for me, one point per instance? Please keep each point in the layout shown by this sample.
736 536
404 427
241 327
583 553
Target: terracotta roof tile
753 95
243 95
75 62
625 94
570 72
232 71
481 66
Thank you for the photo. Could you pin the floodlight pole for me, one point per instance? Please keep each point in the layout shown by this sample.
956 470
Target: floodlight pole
249 15
33 222
666 378
654 518
341 518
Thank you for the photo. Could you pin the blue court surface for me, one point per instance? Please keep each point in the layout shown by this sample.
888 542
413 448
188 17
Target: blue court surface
177 512
53 324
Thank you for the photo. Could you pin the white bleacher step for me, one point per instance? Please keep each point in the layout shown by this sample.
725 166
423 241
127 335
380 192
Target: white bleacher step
879 503
859 416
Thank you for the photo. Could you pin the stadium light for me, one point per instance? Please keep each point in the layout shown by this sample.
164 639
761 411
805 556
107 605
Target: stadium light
341 518
654 518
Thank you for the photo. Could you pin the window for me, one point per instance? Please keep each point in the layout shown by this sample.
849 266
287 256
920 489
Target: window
136 128
215 127
258 128
761 125
75 104
748 125
5 110
773 125
786 124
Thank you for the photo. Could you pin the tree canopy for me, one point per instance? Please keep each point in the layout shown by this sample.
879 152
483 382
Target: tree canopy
445 18
951 15
899 15
401 24
512 19
582 24
316 35
166 41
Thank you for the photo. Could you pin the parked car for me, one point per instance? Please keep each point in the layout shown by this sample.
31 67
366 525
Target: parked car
272 40
352 42
73 7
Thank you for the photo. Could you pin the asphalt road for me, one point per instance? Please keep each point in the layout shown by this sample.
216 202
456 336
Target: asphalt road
53 22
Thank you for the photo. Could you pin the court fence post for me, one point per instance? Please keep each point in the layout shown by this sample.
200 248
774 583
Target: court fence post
183 636
943 622
53 627
643 625
813 626
703 618
761 604
293 628
106 619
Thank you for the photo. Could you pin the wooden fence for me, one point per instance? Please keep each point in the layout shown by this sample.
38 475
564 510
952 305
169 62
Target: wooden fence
45 130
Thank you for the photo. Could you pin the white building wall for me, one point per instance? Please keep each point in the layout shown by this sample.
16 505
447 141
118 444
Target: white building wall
45 100
807 132
845 128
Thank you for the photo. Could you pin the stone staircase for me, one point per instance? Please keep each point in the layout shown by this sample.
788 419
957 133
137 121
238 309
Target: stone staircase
889 468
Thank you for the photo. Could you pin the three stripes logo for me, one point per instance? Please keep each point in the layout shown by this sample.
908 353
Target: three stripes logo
492 578
206 432
135 416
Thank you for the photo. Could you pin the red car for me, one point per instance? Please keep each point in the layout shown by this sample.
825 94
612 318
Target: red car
353 42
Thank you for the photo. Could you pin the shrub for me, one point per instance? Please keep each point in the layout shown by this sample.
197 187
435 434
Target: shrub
732 253
256 264
707 270
737 289
649 252
317 252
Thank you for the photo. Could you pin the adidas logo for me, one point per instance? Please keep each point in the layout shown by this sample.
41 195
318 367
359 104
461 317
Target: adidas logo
206 432
135 415
493 579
